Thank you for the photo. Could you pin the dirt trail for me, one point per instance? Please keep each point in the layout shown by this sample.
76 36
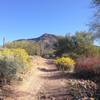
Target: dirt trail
43 83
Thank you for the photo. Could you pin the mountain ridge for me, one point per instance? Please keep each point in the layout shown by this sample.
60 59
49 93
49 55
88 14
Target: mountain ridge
46 40
43 36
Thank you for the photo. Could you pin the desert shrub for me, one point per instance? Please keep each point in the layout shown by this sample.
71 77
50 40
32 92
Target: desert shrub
76 45
9 66
65 63
16 53
88 66
13 62
48 54
30 47
72 55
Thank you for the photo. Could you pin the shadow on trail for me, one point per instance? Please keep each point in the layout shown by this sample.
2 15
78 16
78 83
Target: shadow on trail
47 70
49 62
59 75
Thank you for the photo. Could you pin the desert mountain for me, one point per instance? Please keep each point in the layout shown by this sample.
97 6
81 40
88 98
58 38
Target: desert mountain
47 41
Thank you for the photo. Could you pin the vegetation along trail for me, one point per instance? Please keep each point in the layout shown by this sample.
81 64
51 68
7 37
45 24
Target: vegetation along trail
43 83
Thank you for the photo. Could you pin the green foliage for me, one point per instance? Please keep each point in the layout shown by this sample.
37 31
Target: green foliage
82 41
64 45
65 63
92 51
9 67
48 53
13 62
30 47
78 45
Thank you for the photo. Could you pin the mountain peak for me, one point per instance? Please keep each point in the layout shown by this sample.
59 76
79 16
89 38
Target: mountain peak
47 34
48 40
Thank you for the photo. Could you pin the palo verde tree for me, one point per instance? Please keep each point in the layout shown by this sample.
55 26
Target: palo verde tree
79 44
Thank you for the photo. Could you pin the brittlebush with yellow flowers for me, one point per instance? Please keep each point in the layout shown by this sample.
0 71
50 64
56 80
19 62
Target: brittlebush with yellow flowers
65 63
13 62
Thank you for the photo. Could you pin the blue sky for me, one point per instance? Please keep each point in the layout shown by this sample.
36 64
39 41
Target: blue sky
32 18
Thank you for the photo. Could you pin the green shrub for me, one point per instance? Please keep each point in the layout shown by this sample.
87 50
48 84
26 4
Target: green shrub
72 55
9 66
13 62
65 63
30 47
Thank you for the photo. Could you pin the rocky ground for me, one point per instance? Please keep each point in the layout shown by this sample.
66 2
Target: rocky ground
45 82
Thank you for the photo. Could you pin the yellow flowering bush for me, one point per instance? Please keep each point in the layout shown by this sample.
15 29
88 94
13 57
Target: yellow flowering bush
65 63
18 53
13 62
